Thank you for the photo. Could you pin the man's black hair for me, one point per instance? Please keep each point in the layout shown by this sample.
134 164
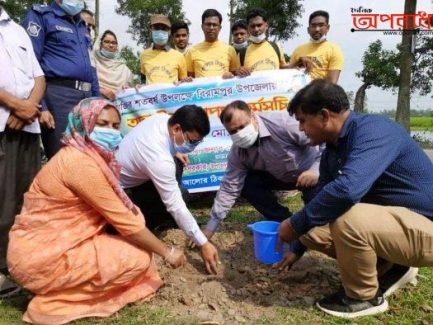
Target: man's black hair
257 12
239 24
87 11
211 13
227 113
179 25
319 13
191 118
317 95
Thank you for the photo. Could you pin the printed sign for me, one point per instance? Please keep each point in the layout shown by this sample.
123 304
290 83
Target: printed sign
264 91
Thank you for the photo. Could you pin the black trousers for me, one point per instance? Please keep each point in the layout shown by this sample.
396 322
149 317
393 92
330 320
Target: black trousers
20 160
258 189
60 101
147 198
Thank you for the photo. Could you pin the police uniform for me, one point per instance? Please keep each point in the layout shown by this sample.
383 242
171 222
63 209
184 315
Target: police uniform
62 45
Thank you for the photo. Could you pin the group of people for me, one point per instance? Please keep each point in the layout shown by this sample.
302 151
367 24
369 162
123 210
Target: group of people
82 238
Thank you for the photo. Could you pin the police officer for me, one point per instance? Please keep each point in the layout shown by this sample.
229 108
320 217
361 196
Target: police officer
62 44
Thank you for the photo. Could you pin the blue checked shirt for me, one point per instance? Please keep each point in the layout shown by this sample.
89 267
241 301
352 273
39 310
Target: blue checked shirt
375 161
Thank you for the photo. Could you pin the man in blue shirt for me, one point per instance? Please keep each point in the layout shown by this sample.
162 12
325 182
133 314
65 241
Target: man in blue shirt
62 43
373 209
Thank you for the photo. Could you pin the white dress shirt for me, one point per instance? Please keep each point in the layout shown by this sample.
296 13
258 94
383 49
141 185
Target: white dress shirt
18 66
146 153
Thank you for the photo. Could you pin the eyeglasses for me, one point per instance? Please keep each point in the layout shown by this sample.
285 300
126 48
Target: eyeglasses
193 142
109 42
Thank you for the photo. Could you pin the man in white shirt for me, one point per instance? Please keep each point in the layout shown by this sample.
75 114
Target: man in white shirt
148 173
22 85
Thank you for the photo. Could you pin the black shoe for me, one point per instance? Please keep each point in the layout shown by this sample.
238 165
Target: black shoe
342 306
396 277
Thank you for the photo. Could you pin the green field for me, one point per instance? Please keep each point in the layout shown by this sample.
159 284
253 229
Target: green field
421 123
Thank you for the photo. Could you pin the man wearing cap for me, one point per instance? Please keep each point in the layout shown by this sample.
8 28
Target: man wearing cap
160 63
62 43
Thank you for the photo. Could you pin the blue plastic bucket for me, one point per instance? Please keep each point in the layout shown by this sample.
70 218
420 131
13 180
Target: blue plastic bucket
265 241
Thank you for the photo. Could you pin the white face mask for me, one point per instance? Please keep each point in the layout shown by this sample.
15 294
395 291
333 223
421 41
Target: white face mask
258 39
240 46
320 40
246 137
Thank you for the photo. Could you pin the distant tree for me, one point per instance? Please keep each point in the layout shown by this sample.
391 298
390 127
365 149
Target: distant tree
17 8
132 60
422 76
282 15
139 12
380 69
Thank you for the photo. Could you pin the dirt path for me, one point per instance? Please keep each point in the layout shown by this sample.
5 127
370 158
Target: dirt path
244 291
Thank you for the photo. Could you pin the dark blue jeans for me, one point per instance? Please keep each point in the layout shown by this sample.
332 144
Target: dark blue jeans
60 101
258 189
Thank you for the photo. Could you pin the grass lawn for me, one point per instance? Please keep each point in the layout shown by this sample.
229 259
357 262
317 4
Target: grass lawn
423 123
413 305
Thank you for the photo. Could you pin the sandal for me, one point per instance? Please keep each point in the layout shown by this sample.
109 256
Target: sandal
8 288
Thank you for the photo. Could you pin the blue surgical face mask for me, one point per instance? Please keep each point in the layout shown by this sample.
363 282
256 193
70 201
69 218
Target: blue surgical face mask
72 7
107 54
185 147
106 138
159 37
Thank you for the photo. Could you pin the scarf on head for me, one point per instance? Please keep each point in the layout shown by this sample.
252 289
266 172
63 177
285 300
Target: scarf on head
81 121
113 74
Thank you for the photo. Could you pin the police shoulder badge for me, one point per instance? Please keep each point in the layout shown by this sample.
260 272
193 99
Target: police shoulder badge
33 29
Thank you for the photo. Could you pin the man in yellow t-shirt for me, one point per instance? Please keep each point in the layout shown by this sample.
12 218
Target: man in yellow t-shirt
326 57
211 57
261 54
160 63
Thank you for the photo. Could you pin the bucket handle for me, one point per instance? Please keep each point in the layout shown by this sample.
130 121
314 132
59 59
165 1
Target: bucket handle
251 226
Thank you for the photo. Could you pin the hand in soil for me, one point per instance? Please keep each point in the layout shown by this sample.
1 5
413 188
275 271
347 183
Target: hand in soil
175 258
287 262
210 258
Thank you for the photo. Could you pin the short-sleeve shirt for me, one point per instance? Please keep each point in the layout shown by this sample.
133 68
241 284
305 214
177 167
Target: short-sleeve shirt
211 59
325 56
162 66
18 68
263 57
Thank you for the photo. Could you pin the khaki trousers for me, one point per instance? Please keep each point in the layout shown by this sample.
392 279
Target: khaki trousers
367 239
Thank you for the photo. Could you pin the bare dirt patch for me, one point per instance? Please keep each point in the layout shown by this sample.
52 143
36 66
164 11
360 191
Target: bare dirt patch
245 290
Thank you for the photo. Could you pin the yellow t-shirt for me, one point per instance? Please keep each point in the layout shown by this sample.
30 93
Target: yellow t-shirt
160 66
263 57
325 56
211 59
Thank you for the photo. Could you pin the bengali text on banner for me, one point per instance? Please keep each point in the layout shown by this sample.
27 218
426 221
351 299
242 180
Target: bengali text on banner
265 92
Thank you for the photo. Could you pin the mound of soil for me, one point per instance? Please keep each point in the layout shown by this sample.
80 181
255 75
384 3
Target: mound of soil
244 290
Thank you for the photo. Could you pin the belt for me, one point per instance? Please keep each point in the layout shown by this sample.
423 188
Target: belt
69 83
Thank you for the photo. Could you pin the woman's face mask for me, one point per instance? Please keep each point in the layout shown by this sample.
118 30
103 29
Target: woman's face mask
159 37
107 54
107 138
246 137
72 7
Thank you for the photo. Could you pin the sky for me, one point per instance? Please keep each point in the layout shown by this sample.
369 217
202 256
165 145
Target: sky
353 45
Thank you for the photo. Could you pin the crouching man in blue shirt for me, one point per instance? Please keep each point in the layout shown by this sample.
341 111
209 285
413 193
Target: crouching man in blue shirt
373 210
